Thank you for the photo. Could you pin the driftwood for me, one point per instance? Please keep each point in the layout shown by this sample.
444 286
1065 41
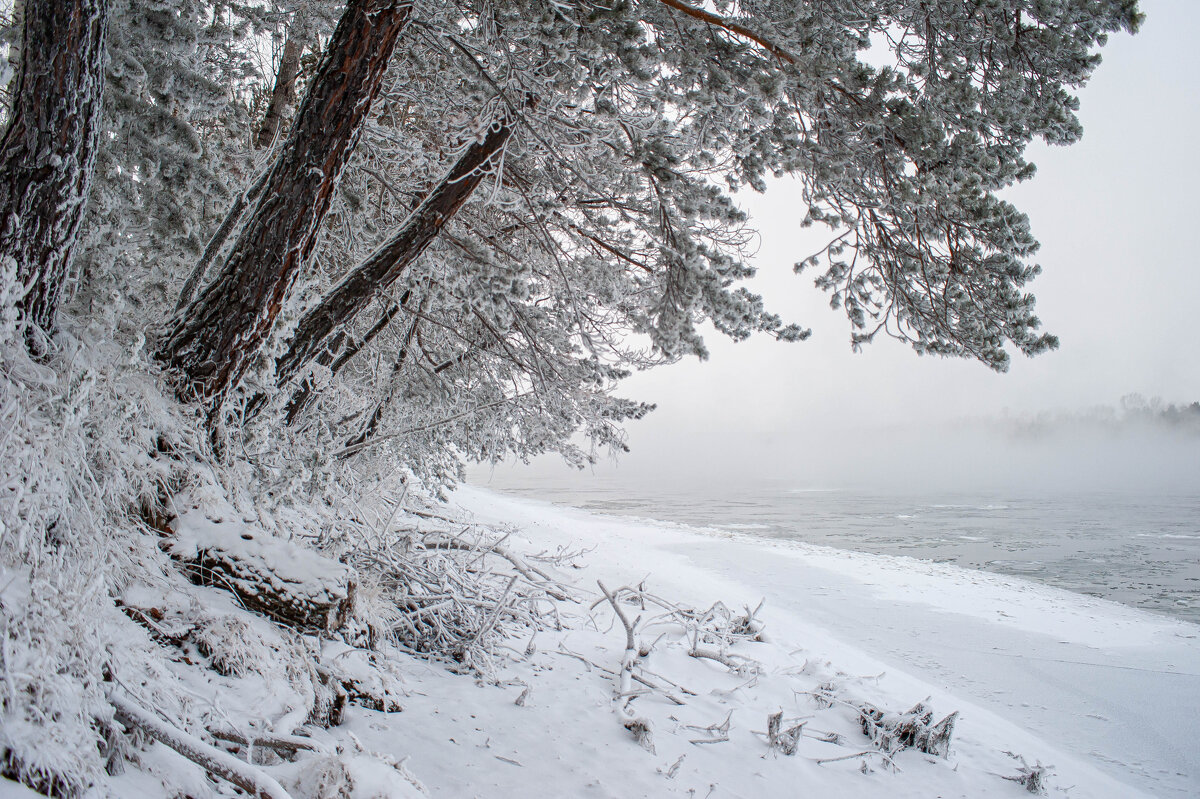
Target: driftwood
638 726
290 584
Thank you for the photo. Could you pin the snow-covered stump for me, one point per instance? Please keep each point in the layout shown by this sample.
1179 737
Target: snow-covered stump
291 585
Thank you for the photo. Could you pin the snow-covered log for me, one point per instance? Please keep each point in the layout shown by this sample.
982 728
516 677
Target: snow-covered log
290 584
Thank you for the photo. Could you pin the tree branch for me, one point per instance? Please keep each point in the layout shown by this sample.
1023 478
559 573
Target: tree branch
732 27
224 765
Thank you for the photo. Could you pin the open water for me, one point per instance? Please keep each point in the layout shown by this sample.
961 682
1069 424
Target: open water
1137 549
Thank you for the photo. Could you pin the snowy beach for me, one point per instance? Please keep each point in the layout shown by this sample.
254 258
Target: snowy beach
634 659
1103 693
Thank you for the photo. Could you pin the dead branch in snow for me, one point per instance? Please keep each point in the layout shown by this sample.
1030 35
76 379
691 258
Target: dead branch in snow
1031 778
893 732
717 624
637 725
638 678
868 753
735 663
455 587
526 570
781 739
719 733
278 743
222 764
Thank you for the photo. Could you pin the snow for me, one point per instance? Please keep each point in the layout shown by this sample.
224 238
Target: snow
212 524
1102 694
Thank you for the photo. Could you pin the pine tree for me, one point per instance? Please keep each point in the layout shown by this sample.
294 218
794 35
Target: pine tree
608 232
213 339
173 152
48 152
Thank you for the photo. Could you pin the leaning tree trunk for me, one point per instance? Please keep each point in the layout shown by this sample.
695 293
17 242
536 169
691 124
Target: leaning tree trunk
48 153
284 92
212 340
387 263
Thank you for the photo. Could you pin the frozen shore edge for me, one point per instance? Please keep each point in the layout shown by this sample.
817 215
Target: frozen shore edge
1112 687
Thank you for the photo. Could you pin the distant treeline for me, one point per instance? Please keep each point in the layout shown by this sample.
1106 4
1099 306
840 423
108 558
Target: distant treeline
1133 412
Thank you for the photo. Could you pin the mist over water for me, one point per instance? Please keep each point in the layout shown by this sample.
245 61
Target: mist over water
1085 502
886 452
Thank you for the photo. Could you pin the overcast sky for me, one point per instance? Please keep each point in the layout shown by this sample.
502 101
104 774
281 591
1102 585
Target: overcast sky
1117 215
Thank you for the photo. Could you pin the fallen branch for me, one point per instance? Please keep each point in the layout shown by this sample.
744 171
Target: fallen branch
786 741
213 760
637 725
288 744
719 732
746 666
891 763
636 677
490 622
530 573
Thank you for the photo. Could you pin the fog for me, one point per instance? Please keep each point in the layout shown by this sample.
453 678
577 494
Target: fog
986 457
1116 215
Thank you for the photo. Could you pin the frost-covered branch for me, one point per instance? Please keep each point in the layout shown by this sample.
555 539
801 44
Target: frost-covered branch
224 765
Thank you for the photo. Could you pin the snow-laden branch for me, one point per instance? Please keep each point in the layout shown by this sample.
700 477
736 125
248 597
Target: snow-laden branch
732 27
640 727
222 764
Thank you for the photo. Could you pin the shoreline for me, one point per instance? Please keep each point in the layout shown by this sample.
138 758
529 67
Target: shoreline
986 550
1109 684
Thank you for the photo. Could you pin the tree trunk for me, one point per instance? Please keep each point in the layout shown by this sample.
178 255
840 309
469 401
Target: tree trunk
284 93
388 262
48 153
307 390
214 338
372 424
232 216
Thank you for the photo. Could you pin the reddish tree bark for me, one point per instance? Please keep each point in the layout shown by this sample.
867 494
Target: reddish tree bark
388 262
213 339
284 92
48 153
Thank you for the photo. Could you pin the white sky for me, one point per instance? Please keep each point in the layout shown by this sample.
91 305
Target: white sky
1117 215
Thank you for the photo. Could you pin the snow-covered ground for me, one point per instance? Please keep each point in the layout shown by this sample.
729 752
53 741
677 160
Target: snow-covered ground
1093 699
1106 695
